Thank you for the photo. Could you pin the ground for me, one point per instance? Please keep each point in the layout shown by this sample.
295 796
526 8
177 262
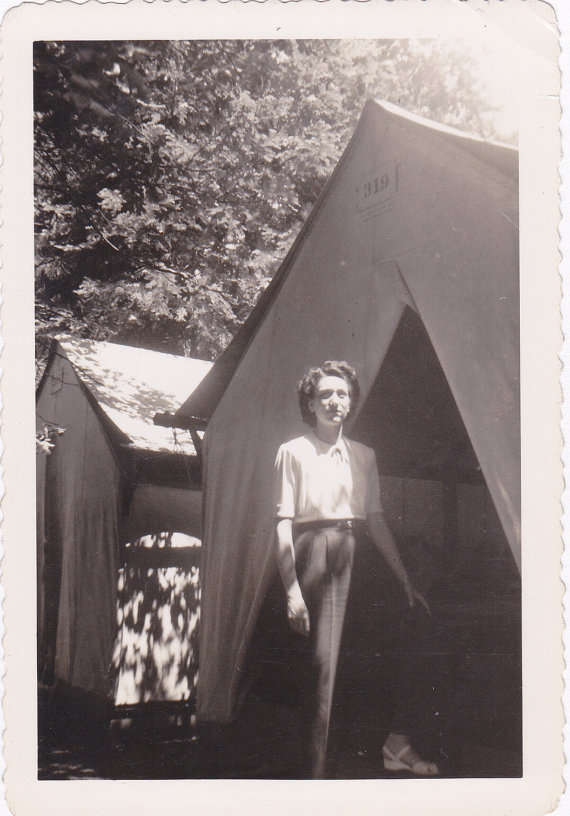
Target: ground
476 671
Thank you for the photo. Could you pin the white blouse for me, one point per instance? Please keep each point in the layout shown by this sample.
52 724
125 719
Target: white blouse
316 481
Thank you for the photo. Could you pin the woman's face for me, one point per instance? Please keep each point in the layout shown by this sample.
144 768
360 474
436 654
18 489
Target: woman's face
331 403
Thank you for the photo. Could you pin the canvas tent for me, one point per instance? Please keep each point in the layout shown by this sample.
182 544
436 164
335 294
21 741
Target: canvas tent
409 258
111 477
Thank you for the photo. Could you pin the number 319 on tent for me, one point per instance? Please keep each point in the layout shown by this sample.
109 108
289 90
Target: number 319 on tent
377 187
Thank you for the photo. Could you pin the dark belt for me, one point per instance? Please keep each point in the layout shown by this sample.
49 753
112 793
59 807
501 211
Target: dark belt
357 525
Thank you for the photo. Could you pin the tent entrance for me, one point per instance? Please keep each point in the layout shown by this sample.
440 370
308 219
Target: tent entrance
438 505
410 416
432 482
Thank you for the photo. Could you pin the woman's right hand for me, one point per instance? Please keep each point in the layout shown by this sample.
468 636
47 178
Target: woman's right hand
412 595
297 611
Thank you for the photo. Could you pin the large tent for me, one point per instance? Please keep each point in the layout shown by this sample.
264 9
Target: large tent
111 477
408 268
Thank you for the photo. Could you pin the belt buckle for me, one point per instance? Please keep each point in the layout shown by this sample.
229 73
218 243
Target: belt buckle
346 525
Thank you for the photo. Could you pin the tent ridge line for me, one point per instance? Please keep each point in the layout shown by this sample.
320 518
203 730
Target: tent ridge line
440 127
453 138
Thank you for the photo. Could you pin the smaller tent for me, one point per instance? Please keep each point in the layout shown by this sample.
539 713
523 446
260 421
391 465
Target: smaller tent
110 477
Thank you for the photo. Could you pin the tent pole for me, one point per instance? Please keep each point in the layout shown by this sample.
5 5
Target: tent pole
196 441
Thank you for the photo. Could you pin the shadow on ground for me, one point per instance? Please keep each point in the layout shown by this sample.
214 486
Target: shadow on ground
468 713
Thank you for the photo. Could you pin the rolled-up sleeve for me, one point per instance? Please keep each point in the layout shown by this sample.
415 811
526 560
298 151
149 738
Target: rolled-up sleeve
373 500
285 484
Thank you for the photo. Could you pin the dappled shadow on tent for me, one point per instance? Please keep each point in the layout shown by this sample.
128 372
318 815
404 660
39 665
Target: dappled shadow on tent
153 673
132 385
158 610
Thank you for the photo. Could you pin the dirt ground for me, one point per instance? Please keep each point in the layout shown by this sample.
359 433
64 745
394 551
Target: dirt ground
263 744
462 673
475 727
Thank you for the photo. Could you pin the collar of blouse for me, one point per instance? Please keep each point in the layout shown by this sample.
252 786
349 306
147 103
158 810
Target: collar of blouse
336 451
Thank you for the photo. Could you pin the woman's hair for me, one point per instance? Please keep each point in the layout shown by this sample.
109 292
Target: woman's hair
307 387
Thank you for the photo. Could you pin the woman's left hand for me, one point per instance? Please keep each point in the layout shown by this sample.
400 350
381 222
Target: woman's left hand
414 596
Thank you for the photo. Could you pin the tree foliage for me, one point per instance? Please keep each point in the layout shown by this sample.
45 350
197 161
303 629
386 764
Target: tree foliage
172 177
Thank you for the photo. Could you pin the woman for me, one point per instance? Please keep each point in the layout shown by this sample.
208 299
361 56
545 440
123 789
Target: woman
327 495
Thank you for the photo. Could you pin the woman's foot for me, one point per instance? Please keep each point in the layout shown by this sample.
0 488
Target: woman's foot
399 755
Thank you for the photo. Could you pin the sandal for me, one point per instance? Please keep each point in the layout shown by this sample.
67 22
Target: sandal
413 763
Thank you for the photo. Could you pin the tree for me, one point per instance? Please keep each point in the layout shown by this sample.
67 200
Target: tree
172 177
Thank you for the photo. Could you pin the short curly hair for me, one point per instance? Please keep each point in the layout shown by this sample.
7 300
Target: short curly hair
307 387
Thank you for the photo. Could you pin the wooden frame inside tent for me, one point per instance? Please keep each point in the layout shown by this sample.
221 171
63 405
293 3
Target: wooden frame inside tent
408 268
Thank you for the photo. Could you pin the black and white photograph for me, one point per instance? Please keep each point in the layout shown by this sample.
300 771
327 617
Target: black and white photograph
281 496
